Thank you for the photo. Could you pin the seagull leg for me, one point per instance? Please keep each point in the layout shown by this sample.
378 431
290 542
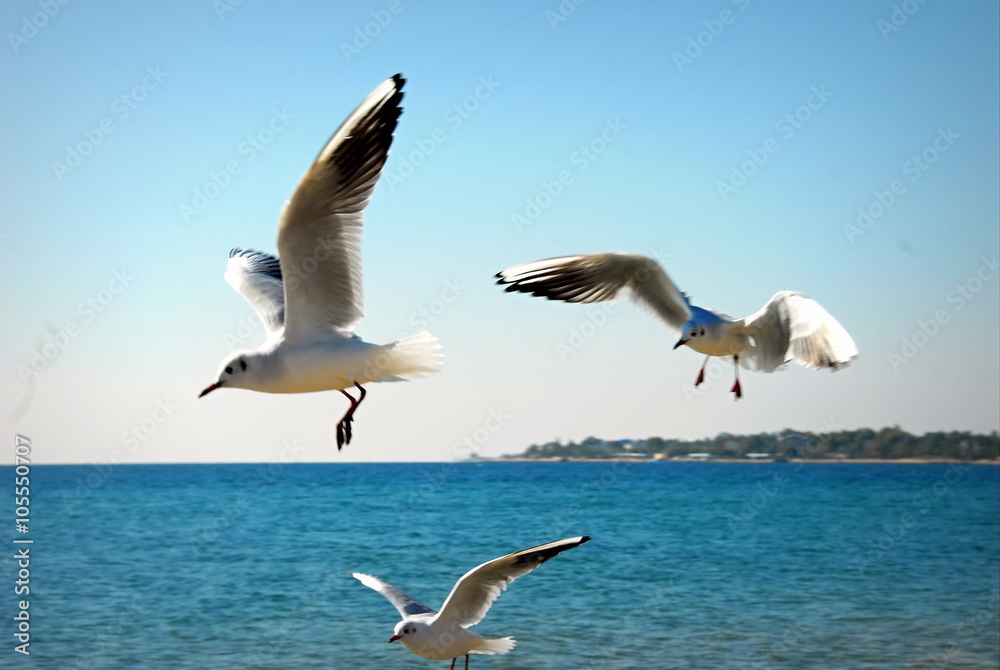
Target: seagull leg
466 662
344 426
737 389
453 663
701 373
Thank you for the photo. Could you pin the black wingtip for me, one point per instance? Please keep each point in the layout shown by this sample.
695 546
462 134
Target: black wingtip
398 80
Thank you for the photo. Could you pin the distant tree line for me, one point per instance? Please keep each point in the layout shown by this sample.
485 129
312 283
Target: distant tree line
887 443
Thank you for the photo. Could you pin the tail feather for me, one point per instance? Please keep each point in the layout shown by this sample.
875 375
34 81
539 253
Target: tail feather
410 358
493 645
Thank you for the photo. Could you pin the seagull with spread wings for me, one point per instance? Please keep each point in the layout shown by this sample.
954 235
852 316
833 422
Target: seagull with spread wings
443 635
790 327
310 301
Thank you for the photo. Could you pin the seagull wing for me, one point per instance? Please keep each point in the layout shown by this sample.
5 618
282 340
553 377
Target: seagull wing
319 237
793 327
600 278
257 277
478 588
406 604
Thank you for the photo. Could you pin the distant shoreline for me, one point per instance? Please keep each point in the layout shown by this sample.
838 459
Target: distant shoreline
681 459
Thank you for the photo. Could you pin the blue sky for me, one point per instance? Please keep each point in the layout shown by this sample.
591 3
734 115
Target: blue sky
846 150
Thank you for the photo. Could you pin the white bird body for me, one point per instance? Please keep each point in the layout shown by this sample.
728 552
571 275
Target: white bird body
331 363
433 640
311 300
722 337
790 327
444 635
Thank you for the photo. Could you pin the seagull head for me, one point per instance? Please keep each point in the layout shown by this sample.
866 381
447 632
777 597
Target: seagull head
690 331
408 632
421 637
237 371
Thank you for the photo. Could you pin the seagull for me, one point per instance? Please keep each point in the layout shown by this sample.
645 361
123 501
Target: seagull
790 327
310 301
442 635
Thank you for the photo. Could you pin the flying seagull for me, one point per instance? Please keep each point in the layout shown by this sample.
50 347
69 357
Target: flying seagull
790 327
443 635
310 301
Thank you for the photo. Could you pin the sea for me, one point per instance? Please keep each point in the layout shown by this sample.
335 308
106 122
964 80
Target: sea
691 565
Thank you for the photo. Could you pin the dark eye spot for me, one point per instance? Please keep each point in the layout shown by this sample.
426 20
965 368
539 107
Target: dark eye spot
243 365
229 370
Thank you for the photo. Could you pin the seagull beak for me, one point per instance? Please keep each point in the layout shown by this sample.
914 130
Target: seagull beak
679 343
210 388
393 638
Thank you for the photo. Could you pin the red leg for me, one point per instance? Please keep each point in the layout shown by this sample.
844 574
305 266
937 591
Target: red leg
453 663
701 373
737 389
344 426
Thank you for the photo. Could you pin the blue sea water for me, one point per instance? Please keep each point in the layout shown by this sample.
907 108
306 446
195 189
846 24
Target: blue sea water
691 565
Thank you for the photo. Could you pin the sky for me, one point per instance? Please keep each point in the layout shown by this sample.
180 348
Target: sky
846 150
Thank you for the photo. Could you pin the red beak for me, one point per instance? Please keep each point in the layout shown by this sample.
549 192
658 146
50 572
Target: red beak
679 343
393 638
210 388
